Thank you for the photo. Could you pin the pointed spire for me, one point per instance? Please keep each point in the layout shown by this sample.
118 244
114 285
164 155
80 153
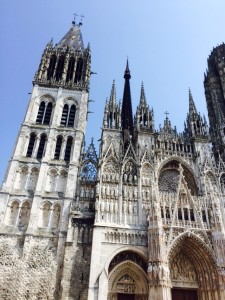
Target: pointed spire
192 108
127 71
73 38
142 97
127 115
112 99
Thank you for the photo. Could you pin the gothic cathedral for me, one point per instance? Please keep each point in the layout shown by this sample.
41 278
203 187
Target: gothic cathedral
142 220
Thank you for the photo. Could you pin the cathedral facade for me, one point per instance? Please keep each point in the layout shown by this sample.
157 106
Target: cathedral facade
142 220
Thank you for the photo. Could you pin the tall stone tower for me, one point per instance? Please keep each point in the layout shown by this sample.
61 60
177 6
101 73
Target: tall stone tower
41 180
215 97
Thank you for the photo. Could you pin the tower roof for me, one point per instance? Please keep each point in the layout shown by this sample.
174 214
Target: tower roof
73 38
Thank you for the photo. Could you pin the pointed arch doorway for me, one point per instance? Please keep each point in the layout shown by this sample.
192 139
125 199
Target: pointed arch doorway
128 277
193 272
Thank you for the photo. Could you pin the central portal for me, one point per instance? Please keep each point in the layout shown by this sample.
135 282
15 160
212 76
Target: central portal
180 294
126 297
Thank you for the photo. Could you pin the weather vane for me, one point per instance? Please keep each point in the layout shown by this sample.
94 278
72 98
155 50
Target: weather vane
81 16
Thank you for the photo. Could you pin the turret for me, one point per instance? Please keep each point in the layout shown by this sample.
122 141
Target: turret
144 118
195 126
112 114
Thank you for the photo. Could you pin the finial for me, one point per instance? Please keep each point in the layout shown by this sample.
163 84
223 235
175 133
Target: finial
166 113
127 71
142 98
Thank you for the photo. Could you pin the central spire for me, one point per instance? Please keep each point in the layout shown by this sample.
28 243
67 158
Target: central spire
127 115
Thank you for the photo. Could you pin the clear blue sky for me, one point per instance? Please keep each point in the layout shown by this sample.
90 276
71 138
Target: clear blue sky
167 43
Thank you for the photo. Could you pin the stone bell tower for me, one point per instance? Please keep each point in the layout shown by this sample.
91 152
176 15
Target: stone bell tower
41 179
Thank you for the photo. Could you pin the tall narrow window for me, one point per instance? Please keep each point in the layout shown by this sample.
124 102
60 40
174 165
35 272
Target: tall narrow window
44 113
51 67
55 216
30 147
24 216
32 180
70 70
13 214
47 115
64 115
45 214
71 118
58 147
68 149
68 115
79 68
41 112
59 68
41 147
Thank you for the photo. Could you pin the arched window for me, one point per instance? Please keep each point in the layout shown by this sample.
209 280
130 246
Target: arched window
41 112
79 68
44 113
51 182
64 115
23 178
59 68
51 67
41 148
70 70
71 116
68 149
32 180
61 183
24 216
13 213
68 115
48 113
58 147
45 214
30 147
55 216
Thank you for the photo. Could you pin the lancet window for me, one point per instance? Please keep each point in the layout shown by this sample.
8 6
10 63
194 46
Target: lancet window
68 149
59 68
30 147
50 215
70 70
51 67
44 113
24 216
58 147
42 145
13 213
32 179
68 115
78 73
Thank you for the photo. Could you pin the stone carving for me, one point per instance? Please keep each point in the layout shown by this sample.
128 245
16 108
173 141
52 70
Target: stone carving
182 269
